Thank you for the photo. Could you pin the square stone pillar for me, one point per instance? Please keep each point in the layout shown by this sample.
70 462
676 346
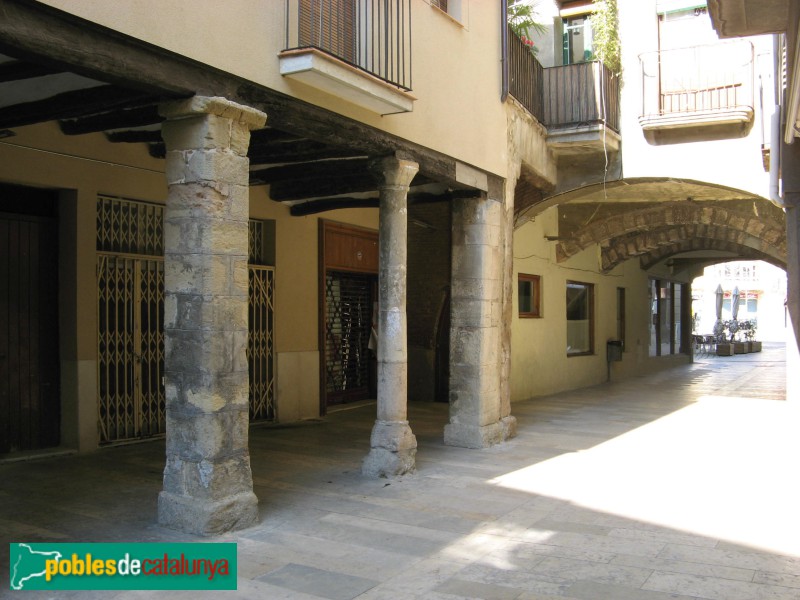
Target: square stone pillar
393 445
208 485
477 416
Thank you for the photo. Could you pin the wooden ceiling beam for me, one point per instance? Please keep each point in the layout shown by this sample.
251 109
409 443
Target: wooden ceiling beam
313 170
68 104
300 189
17 70
39 33
313 207
133 137
294 152
139 116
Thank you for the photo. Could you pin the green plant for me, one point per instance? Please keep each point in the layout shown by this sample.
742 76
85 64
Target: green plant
605 24
522 17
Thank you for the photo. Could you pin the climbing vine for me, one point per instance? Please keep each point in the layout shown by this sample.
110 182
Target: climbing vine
605 25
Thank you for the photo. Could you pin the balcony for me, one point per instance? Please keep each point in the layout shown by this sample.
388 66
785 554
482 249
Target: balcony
359 52
701 86
581 108
578 104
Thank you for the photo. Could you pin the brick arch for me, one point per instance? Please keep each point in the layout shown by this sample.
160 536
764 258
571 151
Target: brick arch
667 223
661 243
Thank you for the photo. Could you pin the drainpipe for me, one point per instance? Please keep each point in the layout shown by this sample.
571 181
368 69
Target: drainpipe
504 49
775 159
776 139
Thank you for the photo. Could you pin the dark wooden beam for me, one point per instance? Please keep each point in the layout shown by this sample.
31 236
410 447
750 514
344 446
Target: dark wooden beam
157 150
317 123
313 207
17 70
300 189
69 104
39 33
295 151
269 135
118 119
313 170
134 137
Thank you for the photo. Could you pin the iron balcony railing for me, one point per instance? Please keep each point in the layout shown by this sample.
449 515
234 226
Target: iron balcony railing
711 78
525 76
371 35
569 95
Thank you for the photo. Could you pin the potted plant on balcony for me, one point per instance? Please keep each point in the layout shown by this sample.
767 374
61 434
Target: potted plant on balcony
522 20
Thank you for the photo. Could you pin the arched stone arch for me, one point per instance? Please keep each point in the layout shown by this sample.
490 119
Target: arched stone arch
656 225
738 252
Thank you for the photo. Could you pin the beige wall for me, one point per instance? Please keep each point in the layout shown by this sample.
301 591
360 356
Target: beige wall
539 362
297 300
83 167
456 66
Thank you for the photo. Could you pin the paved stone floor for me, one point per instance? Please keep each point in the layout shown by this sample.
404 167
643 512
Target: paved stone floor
677 485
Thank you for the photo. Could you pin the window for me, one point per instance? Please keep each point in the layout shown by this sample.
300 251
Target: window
454 8
530 297
580 318
578 43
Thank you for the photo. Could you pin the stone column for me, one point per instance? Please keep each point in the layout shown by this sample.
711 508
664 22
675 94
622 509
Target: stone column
793 300
393 445
508 421
477 418
208 485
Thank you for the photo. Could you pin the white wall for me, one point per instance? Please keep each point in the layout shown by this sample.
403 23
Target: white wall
733 162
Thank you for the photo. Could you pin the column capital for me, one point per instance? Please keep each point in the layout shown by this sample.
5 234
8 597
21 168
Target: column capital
394 170
251 117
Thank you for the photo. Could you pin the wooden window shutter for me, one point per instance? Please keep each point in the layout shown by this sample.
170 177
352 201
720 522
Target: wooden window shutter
329 25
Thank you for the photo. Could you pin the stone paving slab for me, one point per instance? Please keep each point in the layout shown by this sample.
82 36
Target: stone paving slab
678 485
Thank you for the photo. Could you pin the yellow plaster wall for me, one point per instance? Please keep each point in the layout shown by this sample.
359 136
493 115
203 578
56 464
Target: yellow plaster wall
539 362
456 66
84 167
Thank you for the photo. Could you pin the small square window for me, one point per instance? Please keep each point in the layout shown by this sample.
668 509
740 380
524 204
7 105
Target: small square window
530 296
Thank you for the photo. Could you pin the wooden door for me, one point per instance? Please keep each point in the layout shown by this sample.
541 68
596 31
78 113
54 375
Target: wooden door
29 359
348 293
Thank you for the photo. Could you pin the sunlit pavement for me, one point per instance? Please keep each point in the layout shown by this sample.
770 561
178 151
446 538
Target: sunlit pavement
678 485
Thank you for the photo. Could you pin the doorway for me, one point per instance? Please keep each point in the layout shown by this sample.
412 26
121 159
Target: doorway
348 298
29 355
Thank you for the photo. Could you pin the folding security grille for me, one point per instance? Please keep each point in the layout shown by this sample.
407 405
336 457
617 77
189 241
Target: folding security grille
347 329
260 349
130 326
129 227
130 283
255 242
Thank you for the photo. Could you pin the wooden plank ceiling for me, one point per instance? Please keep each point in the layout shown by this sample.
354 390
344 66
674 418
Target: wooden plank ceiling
308 175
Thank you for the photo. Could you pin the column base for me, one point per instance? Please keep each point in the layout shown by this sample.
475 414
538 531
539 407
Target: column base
394 450
480 436
509 424
206 517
